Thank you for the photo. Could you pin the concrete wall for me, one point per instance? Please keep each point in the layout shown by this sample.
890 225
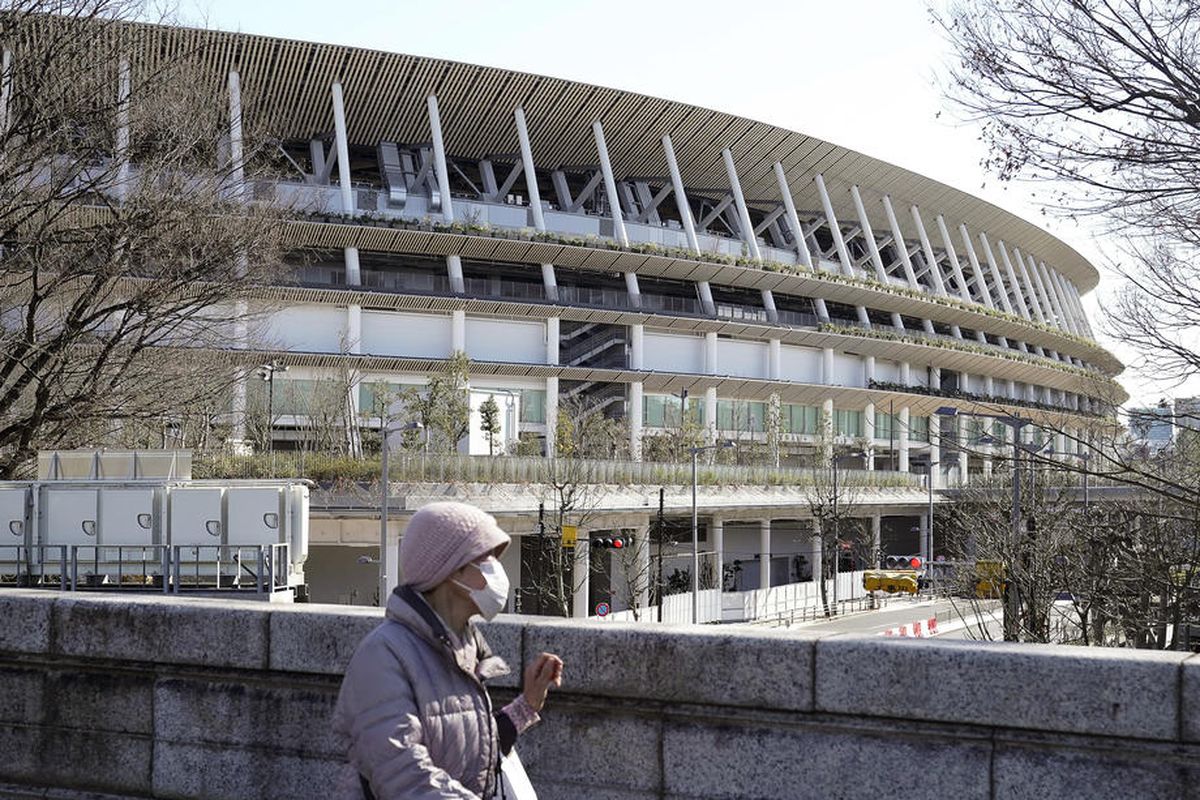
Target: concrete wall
200 699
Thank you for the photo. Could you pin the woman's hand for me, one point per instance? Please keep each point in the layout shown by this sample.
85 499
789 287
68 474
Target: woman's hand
540 674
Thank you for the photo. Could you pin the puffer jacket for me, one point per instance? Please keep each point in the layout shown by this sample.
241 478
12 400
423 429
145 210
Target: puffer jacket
413 711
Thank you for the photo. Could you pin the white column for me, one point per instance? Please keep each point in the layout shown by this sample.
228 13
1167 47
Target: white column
455 272
1065 298
635 420
876 539
1030 293
1017 292
710 353
935 272
552 416
633 290
458 331
716 527
768 300
706 298
343 150
817 556
869 235
5 90
710 413
828 430
764 561
902 439
637 339
955 267
935 450
552 339
835 229
901 247
793 219
869 435
1043 295
905 373
583 571
550 283
985 290
827 366
610 185
685 211
735 186
774 360
964 458
439 158
531 184
1064 320
996 274
353 271
354 329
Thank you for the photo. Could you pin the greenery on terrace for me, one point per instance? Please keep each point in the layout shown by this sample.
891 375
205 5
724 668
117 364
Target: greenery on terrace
592 241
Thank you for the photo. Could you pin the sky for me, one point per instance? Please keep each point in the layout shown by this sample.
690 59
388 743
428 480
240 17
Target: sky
860 73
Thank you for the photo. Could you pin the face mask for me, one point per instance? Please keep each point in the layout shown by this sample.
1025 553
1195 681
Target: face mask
492 597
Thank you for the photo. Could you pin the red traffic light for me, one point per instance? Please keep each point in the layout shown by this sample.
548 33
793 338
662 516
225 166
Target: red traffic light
914 562
618 543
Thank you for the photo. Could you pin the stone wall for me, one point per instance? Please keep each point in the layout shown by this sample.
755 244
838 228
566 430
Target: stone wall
203 699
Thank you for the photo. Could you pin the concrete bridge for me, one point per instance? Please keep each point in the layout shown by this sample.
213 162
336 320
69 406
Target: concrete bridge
121 697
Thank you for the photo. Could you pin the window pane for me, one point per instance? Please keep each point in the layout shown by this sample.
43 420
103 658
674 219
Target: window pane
533 405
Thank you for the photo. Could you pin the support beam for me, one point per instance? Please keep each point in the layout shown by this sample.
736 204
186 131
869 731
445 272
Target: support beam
793 219
1013 282
551 416
831 220
681 203
531 183
935 272
964 291
901 247
997 276
122 143
735 185
1031 297
343 149
439 159
869 236
635 420
980 279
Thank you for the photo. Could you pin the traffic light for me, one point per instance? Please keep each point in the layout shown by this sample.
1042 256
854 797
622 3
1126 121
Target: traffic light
613 542
903 562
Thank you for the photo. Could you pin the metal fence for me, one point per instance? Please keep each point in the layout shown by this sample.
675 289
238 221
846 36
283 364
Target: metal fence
421 468
169 569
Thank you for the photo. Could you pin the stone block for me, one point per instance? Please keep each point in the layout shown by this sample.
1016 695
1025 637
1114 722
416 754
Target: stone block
318 638
505 636
597 749
291 717
723 666
25 620
215 772
100 701
1091 690
163 630
770 760
1190 697
20 745
1040 769
22 698
100 762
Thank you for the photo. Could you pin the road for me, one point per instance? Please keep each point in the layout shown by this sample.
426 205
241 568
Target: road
956 619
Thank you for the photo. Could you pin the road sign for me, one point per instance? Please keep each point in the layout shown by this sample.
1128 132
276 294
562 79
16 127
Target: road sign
602 609
570 533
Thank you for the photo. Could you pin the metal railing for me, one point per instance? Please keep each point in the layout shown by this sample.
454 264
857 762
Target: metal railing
797 616
259 568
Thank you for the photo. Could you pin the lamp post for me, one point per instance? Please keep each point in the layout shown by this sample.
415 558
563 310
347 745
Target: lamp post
384 430
696 451
267 373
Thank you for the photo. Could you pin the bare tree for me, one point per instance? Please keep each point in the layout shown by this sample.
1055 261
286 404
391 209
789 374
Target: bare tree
833 502
128 255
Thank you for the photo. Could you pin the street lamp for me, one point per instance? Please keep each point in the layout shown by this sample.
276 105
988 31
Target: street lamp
695 451
267 373
384 430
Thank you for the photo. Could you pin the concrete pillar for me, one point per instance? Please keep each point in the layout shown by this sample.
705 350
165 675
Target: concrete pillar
635 420
905 373
869 435
633 290
868 370
552 339
717 528
353 272
735 187
583 571
839 241
793 219
868 235
876 539
455 272
901 247
439 159
902 440
827 430
827 366
637 338
343 149
550 283
964 458
531 184
685 211
764 561
710 353
817 556
935 450
458 331
774 360
552 416
610 186
710 413
706 298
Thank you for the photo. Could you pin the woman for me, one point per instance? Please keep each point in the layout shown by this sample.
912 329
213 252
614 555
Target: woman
413 707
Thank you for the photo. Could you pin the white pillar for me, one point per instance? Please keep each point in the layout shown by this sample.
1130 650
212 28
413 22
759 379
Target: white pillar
876 539
955 267
710 413
764 546
817 556
902 440
455 272
610 185
905 373
552 416
343 149
774 359
633 290
935 272
984 289
869 435
685 211
827 366
5 90
439 158
710 353
793 219
831 219
1017 292
997 276
531 184
716 526
583 570
735 186
901 247
935 450
637 338
869 235
706 298
1043 295
964 458
353 271
354 329
237 166
550 283
458 331
635 420
552 338
1031 296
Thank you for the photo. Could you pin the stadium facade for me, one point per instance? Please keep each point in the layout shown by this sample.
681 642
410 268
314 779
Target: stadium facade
610 250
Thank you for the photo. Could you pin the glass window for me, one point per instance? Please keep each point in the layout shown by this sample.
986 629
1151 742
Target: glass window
884 425
662 410
373 393
918 429
847 423
533 405
741 415
800 419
